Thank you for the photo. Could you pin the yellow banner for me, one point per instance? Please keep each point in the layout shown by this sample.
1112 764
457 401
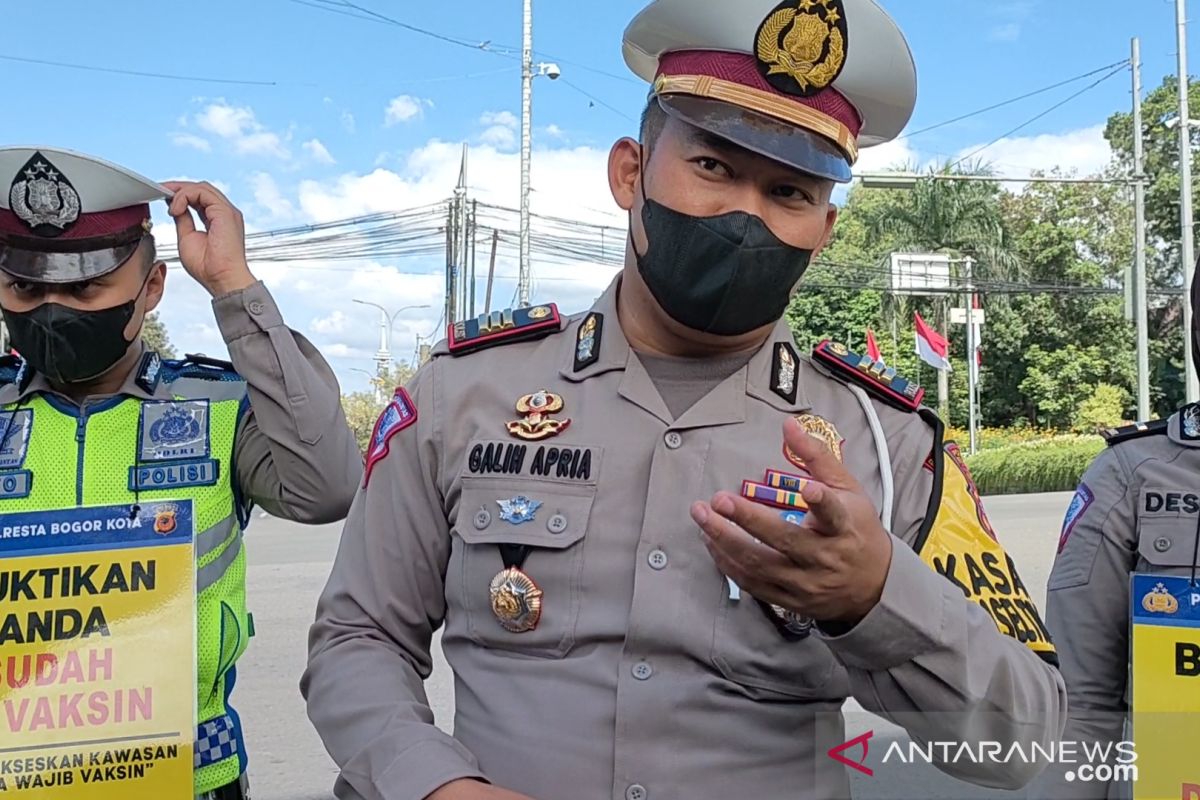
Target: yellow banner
962 547
1166 687
97 653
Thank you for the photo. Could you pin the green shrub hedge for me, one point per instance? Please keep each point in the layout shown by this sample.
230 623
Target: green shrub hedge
1048 465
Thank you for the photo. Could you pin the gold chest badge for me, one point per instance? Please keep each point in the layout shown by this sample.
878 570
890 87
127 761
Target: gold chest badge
821 428
537 424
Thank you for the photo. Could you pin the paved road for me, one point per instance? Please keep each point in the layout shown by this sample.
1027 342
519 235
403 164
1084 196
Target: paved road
288 567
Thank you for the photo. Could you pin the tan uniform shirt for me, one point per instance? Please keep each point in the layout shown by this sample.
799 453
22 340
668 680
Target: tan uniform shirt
643 679
296 455
1136 511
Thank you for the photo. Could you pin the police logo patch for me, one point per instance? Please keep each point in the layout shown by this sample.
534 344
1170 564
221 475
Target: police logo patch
1079 504
43 198
174 431
15 428
400 413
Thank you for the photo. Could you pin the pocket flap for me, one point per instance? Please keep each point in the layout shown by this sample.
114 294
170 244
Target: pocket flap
1167 541
504 511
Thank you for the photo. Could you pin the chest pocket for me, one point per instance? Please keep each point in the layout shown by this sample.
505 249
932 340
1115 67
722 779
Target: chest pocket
489 515
1167 519
749 650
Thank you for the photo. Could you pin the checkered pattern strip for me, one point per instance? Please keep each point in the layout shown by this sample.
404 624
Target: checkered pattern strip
216 740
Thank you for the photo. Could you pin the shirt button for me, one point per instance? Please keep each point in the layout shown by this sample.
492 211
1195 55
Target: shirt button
635 792
674 440
257 307
642 671
1162 544
657 559
482 519
556 524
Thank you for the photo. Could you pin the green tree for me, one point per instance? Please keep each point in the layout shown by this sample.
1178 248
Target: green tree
362 409
961 218
1079 236
1163 220
154 333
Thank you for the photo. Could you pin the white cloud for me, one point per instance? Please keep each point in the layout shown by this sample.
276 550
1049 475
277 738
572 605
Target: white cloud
191 140
500 129
333 323
318 151
555 132
1082 152
405 108
270 199
505 118
348 123
892 155
239 126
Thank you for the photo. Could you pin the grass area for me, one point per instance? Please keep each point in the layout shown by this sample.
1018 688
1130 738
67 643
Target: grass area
1053 463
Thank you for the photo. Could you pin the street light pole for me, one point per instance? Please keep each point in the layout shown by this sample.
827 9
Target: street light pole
1139 295
383 359
972 363
526 148
1187 239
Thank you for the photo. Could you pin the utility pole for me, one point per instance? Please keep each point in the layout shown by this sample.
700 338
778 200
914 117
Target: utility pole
972 362
474 242
450 263
526 149
487 298
1138 295
943 375
1187 248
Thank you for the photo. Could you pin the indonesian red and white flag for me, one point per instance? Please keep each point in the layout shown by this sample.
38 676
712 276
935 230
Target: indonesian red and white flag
873 347
932 347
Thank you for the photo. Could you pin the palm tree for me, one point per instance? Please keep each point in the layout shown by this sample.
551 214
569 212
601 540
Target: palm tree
960 218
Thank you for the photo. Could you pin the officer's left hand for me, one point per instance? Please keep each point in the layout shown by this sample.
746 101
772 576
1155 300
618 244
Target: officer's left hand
831 568
216 256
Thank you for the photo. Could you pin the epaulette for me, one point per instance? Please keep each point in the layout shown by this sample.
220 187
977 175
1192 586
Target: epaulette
1137 430
10 368
502 327
199 366
879 380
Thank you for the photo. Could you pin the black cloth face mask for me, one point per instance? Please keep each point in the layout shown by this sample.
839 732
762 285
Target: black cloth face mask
726 275
68 345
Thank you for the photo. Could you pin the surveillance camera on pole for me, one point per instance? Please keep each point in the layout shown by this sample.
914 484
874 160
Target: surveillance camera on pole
551 71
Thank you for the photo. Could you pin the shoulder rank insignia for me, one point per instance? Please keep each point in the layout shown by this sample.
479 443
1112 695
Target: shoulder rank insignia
510 325
149 371
15 370
587 343
877 378
1114 436
783 372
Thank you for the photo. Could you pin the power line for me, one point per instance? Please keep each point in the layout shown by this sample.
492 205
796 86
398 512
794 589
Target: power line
136 73
367 14
597 100
1026 96
1029 122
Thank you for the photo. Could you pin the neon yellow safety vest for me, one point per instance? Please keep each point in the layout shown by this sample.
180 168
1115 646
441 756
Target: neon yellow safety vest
128 450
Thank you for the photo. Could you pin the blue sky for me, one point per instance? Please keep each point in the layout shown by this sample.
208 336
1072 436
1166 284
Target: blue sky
320 143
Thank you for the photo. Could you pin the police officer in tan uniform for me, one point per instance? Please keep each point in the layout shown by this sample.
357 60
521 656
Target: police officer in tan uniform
1136 510
663 546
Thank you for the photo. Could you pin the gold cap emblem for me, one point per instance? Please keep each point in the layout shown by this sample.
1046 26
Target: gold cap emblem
801 45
